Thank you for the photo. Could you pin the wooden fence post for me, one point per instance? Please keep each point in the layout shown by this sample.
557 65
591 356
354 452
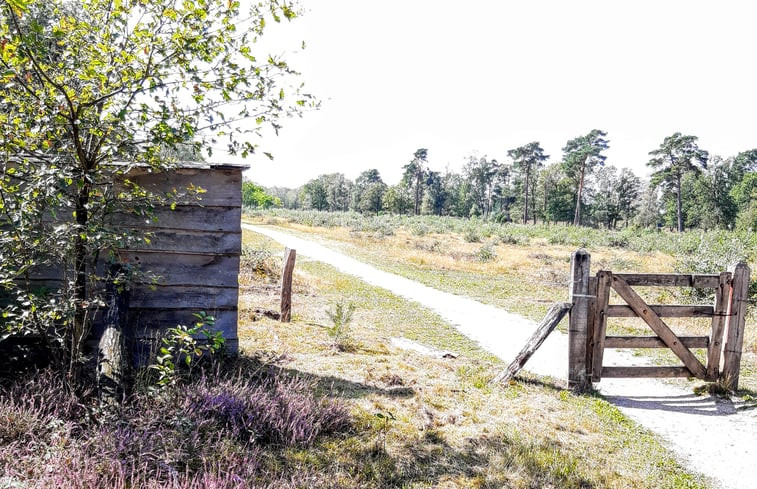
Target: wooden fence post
286 285
578 330
734 340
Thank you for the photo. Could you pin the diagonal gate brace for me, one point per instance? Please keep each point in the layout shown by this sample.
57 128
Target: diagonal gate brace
658 326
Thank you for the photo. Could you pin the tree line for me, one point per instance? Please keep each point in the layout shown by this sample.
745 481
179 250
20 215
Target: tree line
688 188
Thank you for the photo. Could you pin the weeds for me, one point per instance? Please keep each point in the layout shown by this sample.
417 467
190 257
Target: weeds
181 349
341 317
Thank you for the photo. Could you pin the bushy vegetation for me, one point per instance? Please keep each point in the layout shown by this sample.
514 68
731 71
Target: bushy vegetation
224 428
705 251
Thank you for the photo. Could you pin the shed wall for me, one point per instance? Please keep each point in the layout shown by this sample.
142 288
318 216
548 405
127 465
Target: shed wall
194 252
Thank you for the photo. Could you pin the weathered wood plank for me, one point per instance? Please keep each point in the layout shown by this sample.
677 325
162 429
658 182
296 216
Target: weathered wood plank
654 342
718 326
658 326
645 372
734 341
170 269
186 217
200 297
187 241
221 186
604 281
186 269
286 284
578 334
147 323
590 326
670 311
548 324
671 280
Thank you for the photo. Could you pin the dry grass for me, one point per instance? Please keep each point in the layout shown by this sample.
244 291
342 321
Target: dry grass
433 422
521 278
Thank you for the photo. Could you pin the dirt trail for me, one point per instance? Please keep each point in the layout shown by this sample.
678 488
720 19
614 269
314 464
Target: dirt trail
713 436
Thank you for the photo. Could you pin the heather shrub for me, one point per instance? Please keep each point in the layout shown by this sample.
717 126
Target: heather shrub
224 428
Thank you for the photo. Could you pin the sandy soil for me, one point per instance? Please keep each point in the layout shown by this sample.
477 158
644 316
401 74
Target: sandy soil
712 436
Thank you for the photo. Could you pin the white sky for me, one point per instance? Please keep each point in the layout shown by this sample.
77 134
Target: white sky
485 76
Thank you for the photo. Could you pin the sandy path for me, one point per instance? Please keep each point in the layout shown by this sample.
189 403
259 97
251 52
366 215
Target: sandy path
712 436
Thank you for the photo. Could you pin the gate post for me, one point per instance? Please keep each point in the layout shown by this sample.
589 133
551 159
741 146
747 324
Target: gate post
734 339
578 329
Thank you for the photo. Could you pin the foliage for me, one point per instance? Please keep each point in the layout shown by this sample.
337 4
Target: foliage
414 176
86 84
255 196
581 156
341 317
527 160
259 261
485 254
677 156
181 349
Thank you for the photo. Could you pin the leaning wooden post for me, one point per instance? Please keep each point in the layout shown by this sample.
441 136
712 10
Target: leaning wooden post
286 285
548 324
578 329
734 339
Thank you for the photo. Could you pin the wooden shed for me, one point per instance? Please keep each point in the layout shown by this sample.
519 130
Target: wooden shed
193 251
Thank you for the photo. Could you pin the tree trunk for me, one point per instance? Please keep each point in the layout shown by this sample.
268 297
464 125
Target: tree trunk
112 355
577 216
77 332
679 214
525 202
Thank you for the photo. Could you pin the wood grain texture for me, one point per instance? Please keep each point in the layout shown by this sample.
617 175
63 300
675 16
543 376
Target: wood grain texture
147 323
182 297
734 340
287 268
222 187
658 326
670 311
186 269
548 324
654 342
720 310
604 285
185 217
578 334
671 280
188 241
645 372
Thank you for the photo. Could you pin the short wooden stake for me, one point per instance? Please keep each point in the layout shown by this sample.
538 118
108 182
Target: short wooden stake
578 330
548 324
286 285
734 340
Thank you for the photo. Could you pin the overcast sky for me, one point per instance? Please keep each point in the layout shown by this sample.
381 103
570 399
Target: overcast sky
485 76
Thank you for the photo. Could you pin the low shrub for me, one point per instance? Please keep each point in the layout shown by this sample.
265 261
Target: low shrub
225 428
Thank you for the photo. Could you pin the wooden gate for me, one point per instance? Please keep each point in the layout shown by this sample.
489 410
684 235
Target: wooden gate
591 309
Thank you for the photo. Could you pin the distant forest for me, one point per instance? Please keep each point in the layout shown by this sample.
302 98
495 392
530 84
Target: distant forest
688 188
